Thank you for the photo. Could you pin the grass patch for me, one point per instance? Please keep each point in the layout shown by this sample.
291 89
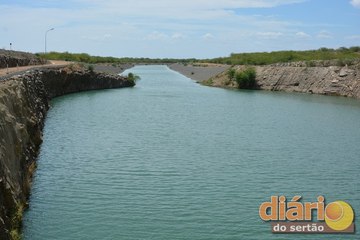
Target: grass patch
15 234
16 221
208 82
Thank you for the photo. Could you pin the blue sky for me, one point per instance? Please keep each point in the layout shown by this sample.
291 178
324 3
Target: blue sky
178 29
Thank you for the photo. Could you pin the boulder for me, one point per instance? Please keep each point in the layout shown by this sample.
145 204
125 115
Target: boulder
343 73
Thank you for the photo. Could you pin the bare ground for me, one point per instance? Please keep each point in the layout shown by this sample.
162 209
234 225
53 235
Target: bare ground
6 71
199 72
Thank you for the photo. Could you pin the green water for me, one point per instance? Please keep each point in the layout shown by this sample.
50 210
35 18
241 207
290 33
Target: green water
170 159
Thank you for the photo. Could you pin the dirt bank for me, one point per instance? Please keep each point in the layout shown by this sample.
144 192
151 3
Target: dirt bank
320 78
199 72
332 80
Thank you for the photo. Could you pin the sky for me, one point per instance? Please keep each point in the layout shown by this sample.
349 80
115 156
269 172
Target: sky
178 29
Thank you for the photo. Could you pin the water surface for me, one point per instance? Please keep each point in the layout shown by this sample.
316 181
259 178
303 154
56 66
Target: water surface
170 159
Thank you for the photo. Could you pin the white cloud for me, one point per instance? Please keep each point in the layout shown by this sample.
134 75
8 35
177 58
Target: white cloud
208 36
97 37
177 36
157 36
355 3
184 9
189 4
302 35
353 37
187 28
269 35
324 35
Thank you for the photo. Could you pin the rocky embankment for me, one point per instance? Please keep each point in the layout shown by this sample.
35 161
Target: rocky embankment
24 101
329 80
18 59
333 80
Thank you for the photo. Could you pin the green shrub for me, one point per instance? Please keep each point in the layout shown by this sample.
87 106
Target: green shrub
133 77
354 49
310 64
231 74
91 68
348 61
340 63
246 79
208 82
324 49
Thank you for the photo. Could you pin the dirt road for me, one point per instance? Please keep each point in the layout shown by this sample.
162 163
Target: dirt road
11 71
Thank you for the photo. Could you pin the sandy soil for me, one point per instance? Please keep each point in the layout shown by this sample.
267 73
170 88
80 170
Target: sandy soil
199 72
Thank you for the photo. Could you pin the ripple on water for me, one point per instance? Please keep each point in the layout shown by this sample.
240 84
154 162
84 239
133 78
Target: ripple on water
171 159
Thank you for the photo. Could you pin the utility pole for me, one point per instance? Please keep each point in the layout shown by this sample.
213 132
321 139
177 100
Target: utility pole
7 63
8 60
46 36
